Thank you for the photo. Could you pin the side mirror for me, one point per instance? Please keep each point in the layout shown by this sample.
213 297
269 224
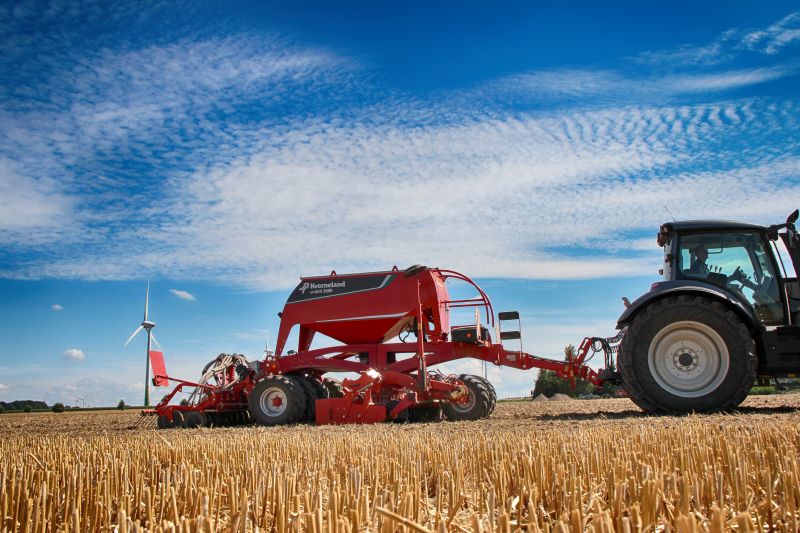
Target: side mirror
791 232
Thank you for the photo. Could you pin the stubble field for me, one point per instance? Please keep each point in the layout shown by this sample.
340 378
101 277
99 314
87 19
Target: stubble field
597 465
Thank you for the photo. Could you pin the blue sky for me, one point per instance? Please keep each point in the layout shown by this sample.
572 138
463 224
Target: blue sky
224 149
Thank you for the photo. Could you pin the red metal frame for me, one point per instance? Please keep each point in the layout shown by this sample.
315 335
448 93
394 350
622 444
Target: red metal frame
366 319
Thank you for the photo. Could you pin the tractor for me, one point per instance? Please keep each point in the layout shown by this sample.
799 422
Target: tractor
725 314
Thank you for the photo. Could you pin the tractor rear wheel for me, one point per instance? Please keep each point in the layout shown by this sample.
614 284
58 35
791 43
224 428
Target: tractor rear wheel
684 354
480 400
277 400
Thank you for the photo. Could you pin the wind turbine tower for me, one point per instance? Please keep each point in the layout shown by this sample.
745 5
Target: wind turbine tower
148 326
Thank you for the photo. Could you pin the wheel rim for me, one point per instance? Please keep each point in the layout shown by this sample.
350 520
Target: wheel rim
688 359
468 405
273 402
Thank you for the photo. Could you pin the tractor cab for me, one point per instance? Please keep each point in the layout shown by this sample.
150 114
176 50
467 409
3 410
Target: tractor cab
742 260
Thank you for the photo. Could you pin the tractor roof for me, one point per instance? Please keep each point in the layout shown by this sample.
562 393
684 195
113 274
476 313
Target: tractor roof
710 225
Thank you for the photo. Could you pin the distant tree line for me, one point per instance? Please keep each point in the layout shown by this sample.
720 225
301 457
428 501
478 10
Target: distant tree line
20 405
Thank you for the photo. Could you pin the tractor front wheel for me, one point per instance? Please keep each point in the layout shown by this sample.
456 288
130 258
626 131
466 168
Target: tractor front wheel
479 403
277 400
684 354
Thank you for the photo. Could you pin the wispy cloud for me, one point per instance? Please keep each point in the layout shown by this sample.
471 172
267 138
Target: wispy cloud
3 387
73 354
730 44
183 295
57 307
774 38
664 75
565 89
727 80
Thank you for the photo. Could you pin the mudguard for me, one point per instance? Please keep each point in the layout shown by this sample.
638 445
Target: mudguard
690 287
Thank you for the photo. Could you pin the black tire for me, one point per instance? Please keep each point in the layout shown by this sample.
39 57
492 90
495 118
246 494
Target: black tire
177 419
320 391
194 419
262 400
164 423
310 413
334 388
492 393
672 338
480 403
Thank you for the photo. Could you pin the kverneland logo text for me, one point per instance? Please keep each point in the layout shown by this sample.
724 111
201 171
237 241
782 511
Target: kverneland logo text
310 286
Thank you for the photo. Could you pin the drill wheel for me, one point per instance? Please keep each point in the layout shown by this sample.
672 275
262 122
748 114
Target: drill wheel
277 400
480 402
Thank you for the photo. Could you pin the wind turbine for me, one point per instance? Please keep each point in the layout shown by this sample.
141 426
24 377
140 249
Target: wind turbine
146 325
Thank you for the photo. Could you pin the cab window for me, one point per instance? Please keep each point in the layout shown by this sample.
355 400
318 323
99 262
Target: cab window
739 262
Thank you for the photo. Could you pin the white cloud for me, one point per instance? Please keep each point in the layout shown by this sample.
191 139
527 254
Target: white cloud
3 387
720 81
28 203
73 354
183 295
587 88
57 307
777 36
730 44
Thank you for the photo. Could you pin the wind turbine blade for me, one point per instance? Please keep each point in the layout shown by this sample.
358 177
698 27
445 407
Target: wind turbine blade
153 338
146 300
136 331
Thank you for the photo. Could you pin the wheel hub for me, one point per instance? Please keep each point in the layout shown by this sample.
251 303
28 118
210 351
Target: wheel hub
272 401
685 359
465 403
688 359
